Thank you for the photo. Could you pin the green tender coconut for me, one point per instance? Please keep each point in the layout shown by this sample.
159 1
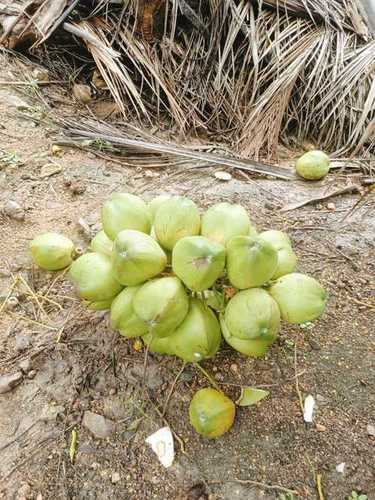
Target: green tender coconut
253 348
176 218
156 203
125 211
198 262
211 413
163 304
52 251
300 298
198 337
101 243
136 257
93 277
224 221
123 317
251 262
313 165
159 345
252 314
286 258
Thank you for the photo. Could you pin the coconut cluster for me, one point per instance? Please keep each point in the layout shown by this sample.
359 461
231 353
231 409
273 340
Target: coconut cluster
183 281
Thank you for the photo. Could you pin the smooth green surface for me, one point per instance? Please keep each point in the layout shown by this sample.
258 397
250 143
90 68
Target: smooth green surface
101 243
176 218
163 304
211 413
300 298
123 317
156 203
313 165
286 258
125 211
52 251
198 262
223 221
251 262
136 257
159 345
93 277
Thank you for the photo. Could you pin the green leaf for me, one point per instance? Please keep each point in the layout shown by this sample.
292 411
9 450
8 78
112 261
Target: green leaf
73 445
362 497
250 396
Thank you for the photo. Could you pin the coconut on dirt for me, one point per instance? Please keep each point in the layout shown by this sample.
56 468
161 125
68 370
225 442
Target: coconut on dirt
52 251
156 203
211 413
125 211
224 221
176 218
198 262
300 298
286 258
94 280
251 261
313 165
136 257
163 304
123 318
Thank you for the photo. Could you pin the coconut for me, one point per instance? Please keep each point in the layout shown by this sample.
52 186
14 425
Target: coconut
156 203
52 251
286 258
198 337
163 304
101 243
211 413
100 305
123 317
159 345
136 257
253 348
252 314
176 218
300 298
224 221
198 262
93 277
313 165
125 211
251 262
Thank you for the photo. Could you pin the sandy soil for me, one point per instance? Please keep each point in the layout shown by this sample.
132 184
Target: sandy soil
78 364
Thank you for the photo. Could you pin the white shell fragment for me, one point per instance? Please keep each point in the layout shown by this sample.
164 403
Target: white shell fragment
162 444
340 468
223 176
308 409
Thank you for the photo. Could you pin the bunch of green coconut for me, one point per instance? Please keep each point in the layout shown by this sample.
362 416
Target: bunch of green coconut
183 281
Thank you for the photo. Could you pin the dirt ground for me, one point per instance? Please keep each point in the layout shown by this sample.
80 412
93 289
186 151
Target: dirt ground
74 363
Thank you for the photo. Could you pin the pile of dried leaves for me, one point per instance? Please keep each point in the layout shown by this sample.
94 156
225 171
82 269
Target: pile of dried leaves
250 73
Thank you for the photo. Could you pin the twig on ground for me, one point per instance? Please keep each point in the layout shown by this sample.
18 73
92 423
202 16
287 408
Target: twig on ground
319 486
300 399
165 406
208 376
265 486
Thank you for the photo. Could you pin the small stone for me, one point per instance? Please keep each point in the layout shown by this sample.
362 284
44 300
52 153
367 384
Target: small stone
31 374
82 93
112 392
25 365
84 228
13 210
219 376
40 75
115 478
223 176
340 468
12 303
321 428
371 430
234 367
9 381
98 425
49 169
331 207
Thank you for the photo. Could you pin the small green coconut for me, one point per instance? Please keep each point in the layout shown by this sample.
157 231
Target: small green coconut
123 317
251 261
301 299
286 258
176 218
136 257
101 243
198 262
313 165
163 304
211 413
156 203
198 337
159 345
52 251
94 280
224 221
125 211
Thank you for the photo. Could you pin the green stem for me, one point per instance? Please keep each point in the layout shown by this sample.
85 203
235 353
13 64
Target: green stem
208 376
